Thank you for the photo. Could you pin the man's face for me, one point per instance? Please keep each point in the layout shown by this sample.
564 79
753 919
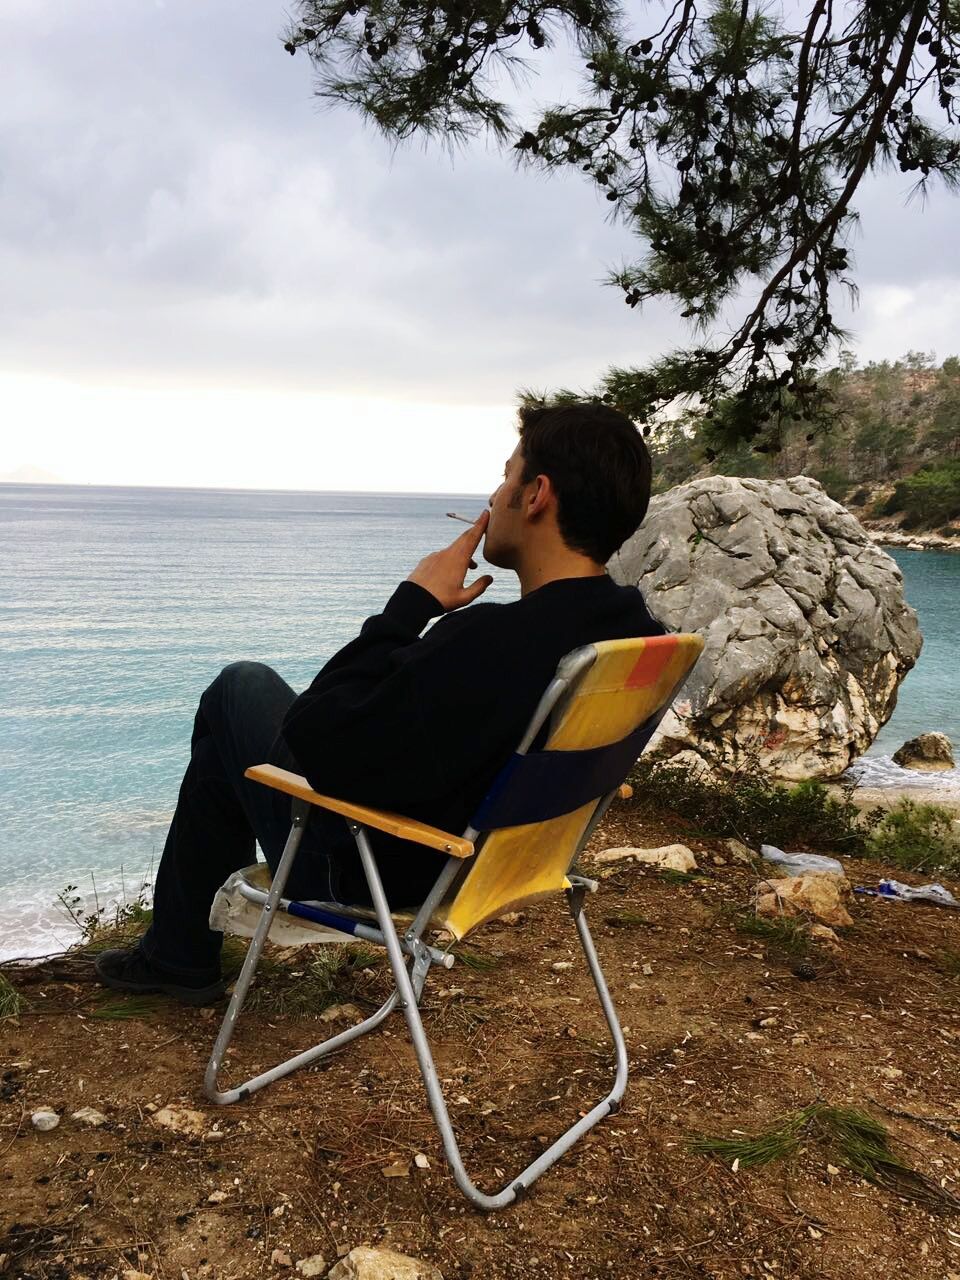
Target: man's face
505 530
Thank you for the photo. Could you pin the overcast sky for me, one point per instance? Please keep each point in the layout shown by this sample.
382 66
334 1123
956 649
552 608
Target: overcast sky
208 280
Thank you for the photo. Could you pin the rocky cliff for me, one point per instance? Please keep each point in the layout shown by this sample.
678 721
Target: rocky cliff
807 632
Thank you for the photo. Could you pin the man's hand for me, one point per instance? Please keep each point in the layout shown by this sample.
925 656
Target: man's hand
442 573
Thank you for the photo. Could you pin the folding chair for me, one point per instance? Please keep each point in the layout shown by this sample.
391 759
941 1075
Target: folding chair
598 714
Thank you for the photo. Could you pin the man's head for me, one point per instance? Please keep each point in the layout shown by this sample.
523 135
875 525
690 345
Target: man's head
581 471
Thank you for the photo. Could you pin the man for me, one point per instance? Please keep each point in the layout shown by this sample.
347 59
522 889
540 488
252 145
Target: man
416 723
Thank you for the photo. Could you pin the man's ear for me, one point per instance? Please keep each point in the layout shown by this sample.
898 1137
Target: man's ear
542 495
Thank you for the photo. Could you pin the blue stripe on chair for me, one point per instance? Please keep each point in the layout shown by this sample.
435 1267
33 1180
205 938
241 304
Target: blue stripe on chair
319 916
544 784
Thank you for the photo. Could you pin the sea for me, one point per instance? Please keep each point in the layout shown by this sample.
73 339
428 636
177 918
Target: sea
119 605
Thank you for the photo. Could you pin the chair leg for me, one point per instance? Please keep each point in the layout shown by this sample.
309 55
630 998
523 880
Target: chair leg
210 1086
409 1002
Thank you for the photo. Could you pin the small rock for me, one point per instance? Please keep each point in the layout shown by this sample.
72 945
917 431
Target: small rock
825 936
216 1197
280 1258
818 895
891 1073
312 1266
44 1118
625 791
929 753
513 918
561 966
647 970
421 1161
669 857
89 1116
190 1124
137 1275
337 1011
399 1169
832 1170
381 1264
740 852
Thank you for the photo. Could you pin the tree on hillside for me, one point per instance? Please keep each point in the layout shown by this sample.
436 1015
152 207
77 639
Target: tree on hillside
730 136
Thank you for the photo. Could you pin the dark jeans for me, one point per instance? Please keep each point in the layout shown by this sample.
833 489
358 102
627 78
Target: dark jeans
219 816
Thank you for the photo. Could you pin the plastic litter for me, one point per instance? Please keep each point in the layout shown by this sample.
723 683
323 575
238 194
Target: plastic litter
796 864
911 893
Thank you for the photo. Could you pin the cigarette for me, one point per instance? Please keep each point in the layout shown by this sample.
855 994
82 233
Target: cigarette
452 515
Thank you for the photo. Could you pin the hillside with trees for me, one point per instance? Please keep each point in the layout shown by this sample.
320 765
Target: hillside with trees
885 440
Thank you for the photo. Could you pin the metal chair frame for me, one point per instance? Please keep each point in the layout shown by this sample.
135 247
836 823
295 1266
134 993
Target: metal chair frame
411 959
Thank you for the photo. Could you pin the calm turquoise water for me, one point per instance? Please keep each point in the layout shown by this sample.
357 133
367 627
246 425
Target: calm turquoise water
118 606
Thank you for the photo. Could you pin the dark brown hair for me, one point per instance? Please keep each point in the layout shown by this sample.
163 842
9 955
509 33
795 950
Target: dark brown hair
599 466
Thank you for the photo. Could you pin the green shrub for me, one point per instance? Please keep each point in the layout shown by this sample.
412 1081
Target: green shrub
930 496
917 837
750 806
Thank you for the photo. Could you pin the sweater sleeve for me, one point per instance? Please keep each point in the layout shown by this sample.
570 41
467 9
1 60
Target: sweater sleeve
374 724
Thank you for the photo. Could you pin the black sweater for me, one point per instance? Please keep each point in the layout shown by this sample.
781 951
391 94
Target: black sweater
422 724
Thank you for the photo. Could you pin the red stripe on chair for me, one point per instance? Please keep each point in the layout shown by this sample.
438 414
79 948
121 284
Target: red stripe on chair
649 666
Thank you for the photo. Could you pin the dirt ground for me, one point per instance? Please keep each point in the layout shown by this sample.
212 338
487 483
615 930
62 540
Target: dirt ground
724 1033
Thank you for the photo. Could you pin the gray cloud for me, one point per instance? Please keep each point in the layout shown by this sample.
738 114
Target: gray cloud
174 205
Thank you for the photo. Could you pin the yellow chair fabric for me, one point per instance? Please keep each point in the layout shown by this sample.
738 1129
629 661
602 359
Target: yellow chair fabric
630 681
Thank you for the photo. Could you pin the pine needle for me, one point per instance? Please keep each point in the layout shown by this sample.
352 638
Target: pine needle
123 1008
852 1139
481 961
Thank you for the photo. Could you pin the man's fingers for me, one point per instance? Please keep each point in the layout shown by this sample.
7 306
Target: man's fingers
470 538
477 588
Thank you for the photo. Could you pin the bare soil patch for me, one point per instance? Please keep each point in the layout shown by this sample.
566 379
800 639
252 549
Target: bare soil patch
725 1034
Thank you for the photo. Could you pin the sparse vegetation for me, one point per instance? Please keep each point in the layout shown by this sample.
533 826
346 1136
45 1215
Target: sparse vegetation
107 924
783 933
916 837
308 983
12 1003
853 1139
750 806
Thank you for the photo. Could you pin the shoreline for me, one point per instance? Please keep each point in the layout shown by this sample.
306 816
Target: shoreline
895 537
867 798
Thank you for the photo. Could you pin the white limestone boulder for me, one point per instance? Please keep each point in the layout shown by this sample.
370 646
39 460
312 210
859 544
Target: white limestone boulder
807 632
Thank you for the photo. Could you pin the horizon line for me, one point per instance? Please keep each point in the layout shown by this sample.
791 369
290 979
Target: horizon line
203 488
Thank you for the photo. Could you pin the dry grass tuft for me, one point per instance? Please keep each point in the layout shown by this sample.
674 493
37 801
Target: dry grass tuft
12 1003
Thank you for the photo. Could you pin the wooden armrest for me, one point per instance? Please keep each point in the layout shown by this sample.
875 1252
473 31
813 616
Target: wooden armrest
393 823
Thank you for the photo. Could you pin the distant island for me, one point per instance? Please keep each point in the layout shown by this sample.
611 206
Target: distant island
887 446
30 475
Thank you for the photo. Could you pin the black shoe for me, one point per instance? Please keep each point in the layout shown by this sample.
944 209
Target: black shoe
128 969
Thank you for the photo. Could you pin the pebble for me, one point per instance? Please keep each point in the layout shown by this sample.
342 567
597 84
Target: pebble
312 1266
561 966
364 1263
337 1011
189 1124
44 1118
89 1116
279 1258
